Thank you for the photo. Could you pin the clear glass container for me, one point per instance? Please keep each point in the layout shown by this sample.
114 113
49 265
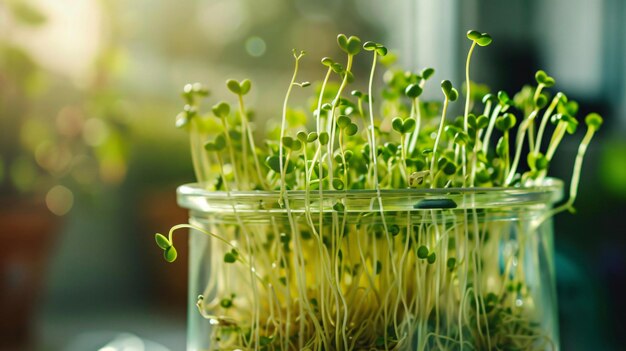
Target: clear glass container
436 269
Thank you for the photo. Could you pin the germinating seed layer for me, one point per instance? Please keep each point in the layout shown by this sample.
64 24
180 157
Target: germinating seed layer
330 257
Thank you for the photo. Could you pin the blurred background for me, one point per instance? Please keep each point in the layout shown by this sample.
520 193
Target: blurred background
90 158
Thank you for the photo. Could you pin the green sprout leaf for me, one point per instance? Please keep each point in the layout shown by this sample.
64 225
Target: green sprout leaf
273 163
348 155
506 122
287 142
327 61
484 40
449 91
229 257
338 184
504 98
233 86
537 161
487 97
568 108
246 85
218 144
432 258
502 147
397 124
221 109
372 46
296 145
543 78
381 50
481 122
226 303
449 169
324 138
451 263
541 101
369 46
422 252
473 35
594 120
351 129
311 137
162 241
342 40
572 124
446 87
337 68
427 73
413 91
350 46
302 136
265 340
343 121
540 76
461 138
403 126
170 254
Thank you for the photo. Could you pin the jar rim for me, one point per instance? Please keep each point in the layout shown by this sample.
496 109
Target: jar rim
194 197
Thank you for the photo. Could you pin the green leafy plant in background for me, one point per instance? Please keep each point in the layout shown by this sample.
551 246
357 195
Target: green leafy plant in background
52 149
327 278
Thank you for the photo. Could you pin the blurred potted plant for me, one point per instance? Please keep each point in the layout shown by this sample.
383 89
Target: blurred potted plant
376 229
49 152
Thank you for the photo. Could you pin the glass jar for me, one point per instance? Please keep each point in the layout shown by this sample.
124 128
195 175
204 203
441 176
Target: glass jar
432 269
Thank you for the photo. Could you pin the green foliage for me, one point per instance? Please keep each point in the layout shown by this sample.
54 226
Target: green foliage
403 126
170 254
162 241
239 88
221 109
449 91
593 120
350 46
351 140
482 39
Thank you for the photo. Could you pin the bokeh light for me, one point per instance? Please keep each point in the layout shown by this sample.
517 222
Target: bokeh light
255 46
23 174
59 200
95 132
69 121
71 39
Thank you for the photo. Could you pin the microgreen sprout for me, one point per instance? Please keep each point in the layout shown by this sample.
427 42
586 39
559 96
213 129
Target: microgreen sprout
310 272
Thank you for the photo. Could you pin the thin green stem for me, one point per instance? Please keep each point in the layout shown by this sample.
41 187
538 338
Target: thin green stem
283 125
231 152
433 166
521 133
333 117
578 164
248 132
544 122
492 123
557 136
467 86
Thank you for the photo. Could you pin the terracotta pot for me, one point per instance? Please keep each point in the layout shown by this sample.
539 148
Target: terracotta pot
27 232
